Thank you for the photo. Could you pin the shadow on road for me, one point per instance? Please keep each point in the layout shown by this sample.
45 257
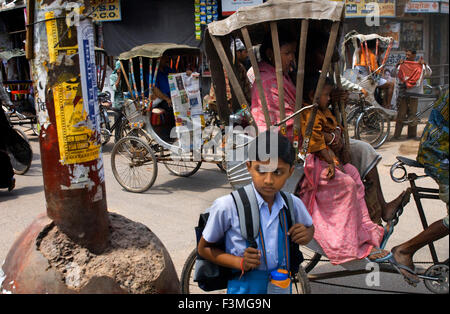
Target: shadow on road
18 191
199 182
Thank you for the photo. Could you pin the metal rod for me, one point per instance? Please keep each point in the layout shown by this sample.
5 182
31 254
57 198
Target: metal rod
321 83
258 81
124 74
279 72
300 81
141 70
423 219
337 73
131 69
233 79
295 114
231 76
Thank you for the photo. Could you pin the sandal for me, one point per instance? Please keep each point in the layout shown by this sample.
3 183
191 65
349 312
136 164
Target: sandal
388 230
413 280
381 259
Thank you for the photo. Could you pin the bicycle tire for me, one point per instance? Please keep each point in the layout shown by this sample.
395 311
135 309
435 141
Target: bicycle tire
18 167
187 271
173 167
372 121
105 129
140 151
301 282
180 167
351 121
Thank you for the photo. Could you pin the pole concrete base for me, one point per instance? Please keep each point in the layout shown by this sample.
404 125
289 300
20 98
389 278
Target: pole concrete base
45 260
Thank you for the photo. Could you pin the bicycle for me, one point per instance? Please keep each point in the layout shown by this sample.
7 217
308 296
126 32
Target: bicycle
436 277
20 148
20 117
435 96
120 125
370 124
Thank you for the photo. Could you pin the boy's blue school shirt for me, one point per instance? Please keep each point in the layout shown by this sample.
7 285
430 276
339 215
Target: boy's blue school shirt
223 222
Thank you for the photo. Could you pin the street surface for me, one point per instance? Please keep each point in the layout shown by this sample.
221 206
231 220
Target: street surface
172 206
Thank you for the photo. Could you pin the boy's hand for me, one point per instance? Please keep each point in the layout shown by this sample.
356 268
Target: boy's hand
300 234
252 258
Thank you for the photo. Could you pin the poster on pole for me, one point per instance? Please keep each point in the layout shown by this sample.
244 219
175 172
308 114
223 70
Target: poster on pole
78 140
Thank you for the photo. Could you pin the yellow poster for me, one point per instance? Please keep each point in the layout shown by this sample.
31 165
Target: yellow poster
361 8
76 138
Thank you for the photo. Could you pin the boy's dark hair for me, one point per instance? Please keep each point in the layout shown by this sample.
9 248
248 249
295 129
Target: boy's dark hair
412 51
284 149
310 84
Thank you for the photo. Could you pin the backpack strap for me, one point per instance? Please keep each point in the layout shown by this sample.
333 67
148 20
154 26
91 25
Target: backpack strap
290 217
248 213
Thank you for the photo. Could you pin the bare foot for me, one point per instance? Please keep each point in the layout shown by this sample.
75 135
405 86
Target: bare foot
405 260
391 207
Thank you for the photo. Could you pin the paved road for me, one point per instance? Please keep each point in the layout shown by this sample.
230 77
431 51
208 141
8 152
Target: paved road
171 208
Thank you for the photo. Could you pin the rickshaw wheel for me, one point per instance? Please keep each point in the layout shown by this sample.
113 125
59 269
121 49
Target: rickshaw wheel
182 168
440 286
134 164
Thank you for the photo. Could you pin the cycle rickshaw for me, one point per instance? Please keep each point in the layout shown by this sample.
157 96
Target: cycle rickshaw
369 120
248 23
135 158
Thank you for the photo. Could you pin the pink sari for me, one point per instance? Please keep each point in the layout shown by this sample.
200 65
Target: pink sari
342 224
270 86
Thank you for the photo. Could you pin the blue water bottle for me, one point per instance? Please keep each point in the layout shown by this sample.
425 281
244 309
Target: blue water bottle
279 282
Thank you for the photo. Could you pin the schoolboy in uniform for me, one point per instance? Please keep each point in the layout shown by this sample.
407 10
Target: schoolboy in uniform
252 266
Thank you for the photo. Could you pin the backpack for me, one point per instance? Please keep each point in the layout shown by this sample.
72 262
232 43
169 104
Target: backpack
210 276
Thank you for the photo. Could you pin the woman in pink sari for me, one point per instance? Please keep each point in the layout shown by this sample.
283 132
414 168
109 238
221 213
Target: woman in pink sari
343 226
270 85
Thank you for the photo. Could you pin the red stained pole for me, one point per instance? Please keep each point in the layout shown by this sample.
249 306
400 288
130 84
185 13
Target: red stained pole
69 138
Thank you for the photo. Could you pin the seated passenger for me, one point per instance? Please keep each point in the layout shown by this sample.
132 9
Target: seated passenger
162 91
333 192
269 82
241 59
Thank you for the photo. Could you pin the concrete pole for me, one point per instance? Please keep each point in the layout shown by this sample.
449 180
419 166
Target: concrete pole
70 145
77 247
